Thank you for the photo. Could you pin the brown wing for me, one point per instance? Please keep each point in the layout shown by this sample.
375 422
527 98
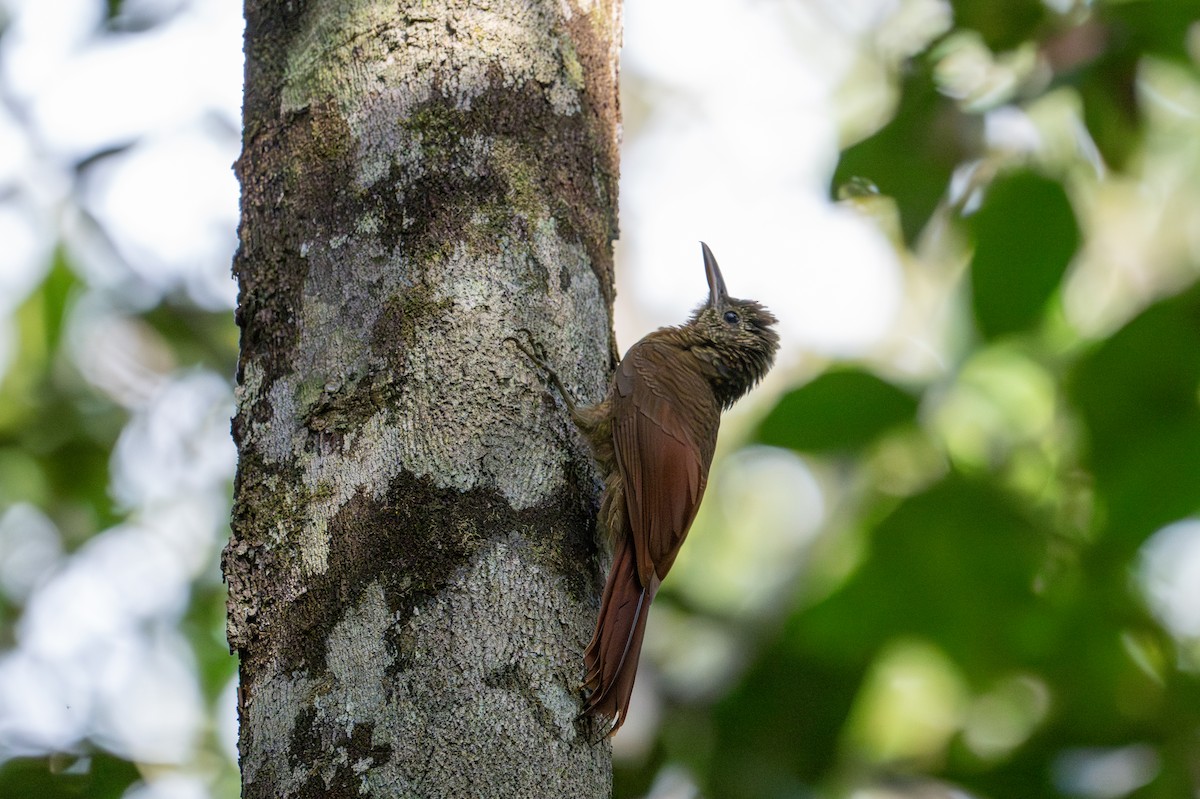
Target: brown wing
662 456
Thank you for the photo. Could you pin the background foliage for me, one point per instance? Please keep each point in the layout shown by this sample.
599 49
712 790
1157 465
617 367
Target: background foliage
988 602
995 624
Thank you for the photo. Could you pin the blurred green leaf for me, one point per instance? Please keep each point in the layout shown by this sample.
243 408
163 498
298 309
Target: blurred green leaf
39 321
1025 236
1144 378
1111 109
21 478
204 626
98 776
843 409
778 731
1139 395
196 336
913 156
1157 484
1157 27
955 564
56 430
1003 26
56 292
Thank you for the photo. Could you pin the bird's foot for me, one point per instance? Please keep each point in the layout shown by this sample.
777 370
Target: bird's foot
535 352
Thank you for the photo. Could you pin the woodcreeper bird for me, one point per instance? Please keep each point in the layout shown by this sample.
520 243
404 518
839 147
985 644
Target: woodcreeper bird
652 438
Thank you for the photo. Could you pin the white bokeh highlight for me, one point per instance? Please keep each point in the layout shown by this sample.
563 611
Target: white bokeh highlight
738 150
169 205
30 547
1169 574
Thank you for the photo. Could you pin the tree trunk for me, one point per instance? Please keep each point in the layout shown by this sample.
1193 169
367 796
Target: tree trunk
412 572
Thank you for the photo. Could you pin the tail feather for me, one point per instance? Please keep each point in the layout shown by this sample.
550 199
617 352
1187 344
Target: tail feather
612 656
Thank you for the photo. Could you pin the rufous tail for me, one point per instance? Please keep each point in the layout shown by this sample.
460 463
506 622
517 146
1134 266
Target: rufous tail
611 658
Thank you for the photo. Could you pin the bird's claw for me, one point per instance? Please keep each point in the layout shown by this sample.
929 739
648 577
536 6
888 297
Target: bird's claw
535 352
532 348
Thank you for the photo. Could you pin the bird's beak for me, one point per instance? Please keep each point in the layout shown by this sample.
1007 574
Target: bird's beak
716 283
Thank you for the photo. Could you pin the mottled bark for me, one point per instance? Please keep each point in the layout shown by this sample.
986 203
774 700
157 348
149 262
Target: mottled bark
412 572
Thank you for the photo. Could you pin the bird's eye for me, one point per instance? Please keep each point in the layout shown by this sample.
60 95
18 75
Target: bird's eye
731 318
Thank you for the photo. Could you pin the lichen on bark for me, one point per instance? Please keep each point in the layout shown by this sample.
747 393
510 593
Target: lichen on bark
412 574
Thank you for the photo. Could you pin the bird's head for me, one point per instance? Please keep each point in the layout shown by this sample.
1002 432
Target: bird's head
736 337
